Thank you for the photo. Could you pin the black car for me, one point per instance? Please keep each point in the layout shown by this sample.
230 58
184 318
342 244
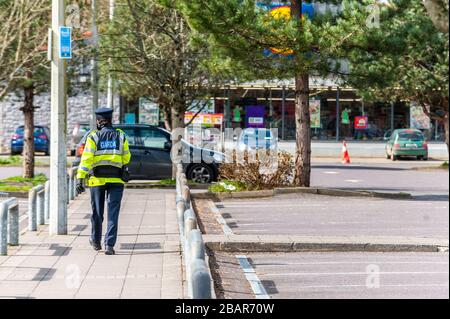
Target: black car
151 155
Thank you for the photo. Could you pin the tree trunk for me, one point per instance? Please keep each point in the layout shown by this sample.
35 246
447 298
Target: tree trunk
302 176
438 12
167 119
28 138
177 119
446 126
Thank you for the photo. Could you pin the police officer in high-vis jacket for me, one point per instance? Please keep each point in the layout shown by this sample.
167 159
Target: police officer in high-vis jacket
103 169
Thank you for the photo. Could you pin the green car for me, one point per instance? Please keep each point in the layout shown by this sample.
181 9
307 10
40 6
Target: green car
410 142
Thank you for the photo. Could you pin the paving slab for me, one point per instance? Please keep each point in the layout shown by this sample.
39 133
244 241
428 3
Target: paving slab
148 263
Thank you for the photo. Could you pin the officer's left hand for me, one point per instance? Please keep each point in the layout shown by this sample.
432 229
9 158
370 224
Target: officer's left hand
80 186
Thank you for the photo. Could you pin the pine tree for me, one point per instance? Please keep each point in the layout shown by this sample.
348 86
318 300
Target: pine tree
405 59
23 61
240 32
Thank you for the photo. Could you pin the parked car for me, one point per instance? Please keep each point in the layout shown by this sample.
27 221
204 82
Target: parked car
256 139
79 131
409 142
151 155
41 140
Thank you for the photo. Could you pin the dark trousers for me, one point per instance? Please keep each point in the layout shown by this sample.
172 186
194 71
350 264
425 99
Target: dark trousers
113 193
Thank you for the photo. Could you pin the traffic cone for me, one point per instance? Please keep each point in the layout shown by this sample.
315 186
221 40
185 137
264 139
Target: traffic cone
345 154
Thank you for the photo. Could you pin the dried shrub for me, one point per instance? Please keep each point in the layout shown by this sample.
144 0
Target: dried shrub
259 170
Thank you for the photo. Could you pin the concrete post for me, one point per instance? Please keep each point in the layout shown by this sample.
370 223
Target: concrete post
179 170
183 180
3 229
190 222
196 245
40 205
58 204
201 280
9 214
181 208
186 194
32 218
67 189
13 230
47 203
71 193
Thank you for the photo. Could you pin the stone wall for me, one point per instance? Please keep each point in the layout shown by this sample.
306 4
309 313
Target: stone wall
79 110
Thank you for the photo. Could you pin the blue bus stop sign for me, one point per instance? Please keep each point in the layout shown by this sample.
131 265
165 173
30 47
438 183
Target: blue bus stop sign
65 43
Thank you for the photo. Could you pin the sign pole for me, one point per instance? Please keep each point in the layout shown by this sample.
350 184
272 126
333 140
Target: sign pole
58 169
338 113
110 78
94 63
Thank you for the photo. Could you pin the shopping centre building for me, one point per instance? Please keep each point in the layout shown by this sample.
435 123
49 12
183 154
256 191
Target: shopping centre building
337 112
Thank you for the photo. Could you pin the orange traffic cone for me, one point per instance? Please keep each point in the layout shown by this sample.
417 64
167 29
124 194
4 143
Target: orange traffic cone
345 154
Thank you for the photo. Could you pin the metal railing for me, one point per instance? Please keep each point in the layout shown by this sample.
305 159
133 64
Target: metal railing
36 198
194 251
9 225
38 211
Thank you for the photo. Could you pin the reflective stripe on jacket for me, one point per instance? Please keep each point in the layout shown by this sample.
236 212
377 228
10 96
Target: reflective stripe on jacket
108 147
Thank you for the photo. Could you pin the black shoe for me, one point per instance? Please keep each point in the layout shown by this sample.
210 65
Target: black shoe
96 246
110 251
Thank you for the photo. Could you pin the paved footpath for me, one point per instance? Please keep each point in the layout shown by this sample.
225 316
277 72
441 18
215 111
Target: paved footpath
148 263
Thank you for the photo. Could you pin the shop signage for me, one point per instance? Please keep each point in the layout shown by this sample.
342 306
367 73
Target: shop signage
204 119
361 123
148 112
65 43
255 116
314 109
130 118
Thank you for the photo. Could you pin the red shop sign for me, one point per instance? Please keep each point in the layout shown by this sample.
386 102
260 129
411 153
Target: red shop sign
361 123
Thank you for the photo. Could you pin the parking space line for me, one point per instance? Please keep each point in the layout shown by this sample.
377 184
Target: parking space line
357 263
355 181
357 273
225 228
365 286
250 273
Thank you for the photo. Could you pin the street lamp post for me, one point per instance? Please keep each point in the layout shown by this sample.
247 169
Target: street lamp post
94 64
58 202
110 79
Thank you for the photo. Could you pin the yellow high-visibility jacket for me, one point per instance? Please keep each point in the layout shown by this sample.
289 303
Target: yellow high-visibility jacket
108 147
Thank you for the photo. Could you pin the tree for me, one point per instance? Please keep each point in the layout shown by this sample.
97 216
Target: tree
149 44
438 11
23 65
405 59
19 45
241 32
151 57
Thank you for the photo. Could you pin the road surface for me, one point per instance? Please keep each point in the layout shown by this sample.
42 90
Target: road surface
353 275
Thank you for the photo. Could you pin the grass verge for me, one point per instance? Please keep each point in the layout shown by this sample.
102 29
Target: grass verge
20 184
10 161
226 186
